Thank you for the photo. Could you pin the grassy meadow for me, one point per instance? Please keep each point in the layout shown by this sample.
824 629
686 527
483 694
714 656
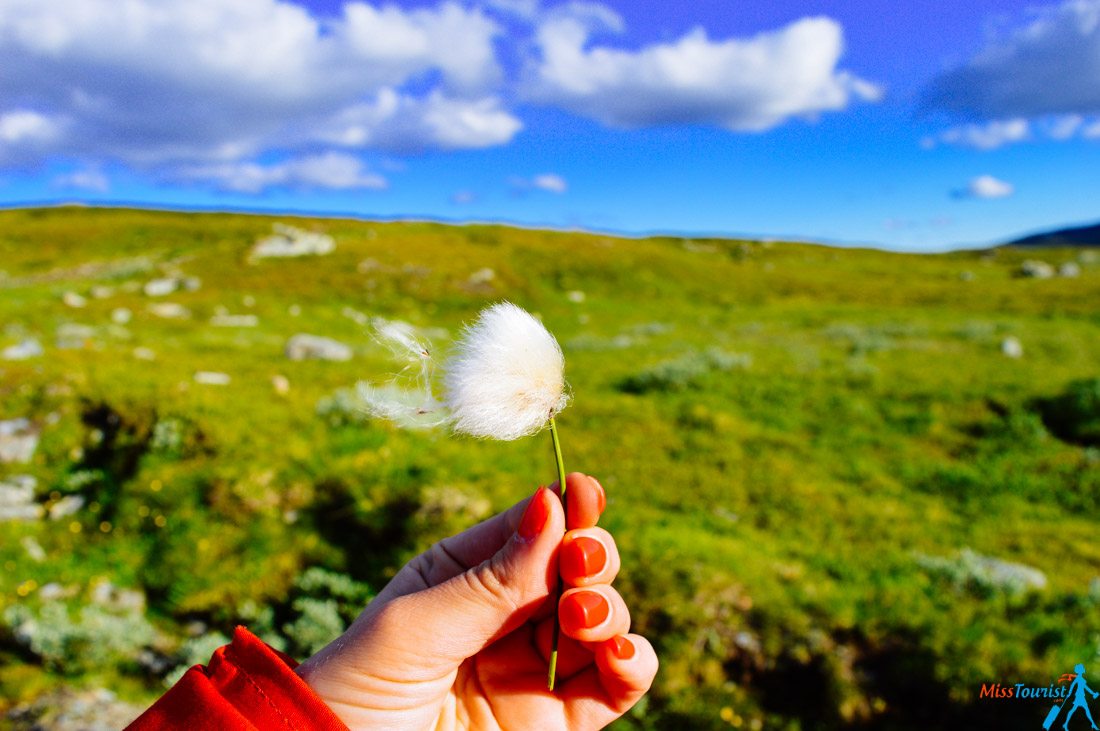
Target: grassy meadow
839 502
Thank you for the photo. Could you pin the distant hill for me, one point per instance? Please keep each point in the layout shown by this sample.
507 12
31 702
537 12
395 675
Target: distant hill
1077 236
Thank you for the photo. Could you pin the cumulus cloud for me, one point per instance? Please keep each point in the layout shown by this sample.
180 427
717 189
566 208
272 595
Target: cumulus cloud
986 187
1044 75
332 171
548 182
750 84
89 179
154 84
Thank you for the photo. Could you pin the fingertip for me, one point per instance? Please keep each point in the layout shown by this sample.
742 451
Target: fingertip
627 664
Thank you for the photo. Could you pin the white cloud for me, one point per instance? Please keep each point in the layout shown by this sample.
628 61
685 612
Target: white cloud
160 84
89 179
986 187
550 182
1050 66
749 84
984 136
332 170
23 126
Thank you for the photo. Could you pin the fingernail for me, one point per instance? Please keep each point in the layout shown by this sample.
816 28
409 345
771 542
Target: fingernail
534 518
583 610
622 647
601 494
583 556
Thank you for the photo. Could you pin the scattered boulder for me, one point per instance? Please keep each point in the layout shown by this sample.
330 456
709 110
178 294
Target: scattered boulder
163 286
66 506
74 300
72 709
102 292
25 350
315 347
1069 269
106 594
986 574
143 353
121 316
228 320
281 384
17 499
18 440
288 241
170 311
1034 269
1011 347
212 378
73 336
482 276
576 296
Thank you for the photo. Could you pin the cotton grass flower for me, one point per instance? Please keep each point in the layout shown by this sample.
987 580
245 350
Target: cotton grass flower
504 380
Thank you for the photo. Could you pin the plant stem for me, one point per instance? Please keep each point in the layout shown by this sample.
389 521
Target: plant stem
557 592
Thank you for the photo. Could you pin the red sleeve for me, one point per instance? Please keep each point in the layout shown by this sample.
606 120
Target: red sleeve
246 686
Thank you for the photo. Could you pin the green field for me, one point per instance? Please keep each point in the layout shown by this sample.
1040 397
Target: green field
826 478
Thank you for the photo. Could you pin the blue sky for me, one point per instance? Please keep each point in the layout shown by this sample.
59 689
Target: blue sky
919 125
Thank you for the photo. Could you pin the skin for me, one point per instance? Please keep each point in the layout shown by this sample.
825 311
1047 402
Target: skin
460 638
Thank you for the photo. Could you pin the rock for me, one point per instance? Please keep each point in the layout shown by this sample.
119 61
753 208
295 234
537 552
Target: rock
33 548
25 350
986 573
576 296
315 347
1088 257
54 591
1012 347
294 311
212 378
121 316
161 287
143 353
170 311
72 299
281 384
227 320
18 440
66 506
101 292
1036 269
17 499
106 594
191 284
482 276
1069 269
288 241
71 709
248 301
73 336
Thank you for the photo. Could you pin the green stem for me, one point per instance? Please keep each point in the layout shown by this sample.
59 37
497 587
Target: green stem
552 672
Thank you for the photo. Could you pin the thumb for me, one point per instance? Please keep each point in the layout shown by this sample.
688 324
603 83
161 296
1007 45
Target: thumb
471 610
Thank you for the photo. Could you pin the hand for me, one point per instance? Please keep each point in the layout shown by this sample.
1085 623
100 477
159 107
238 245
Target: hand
460 638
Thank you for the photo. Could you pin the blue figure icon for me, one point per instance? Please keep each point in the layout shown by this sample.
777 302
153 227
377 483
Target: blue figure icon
1077 689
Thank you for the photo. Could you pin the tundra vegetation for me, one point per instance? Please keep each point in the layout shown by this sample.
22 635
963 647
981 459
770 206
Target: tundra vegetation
849 486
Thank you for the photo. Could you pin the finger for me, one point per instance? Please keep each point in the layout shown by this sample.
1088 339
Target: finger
458 553
573 656
585 499
593 613
624 671
588 556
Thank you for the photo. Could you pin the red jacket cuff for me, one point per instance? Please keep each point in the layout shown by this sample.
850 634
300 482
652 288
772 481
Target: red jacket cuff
247 685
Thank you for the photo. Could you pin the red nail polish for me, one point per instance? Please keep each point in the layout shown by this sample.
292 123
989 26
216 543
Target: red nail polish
601 494
534 518
583 610
583 556
622 647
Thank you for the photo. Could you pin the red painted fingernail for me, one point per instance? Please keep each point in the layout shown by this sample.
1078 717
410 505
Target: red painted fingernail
583 556
622 647
601 494
534 518
583 610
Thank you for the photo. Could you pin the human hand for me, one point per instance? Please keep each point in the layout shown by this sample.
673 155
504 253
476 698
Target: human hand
460 638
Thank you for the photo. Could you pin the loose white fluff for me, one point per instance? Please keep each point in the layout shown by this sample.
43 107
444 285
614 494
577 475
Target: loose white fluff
506 377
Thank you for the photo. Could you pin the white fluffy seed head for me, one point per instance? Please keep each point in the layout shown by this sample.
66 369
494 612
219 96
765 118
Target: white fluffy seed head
506 377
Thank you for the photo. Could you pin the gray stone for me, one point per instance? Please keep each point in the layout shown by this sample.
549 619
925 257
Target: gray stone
1069 269
1036 269
288 241
17 499
1011 347
66 506
227 320
212 378
161 287
73 336
72 299
18 440
315 347
71 709
170 311
25 350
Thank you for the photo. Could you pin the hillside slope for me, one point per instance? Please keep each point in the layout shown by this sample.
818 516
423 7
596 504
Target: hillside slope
834 475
